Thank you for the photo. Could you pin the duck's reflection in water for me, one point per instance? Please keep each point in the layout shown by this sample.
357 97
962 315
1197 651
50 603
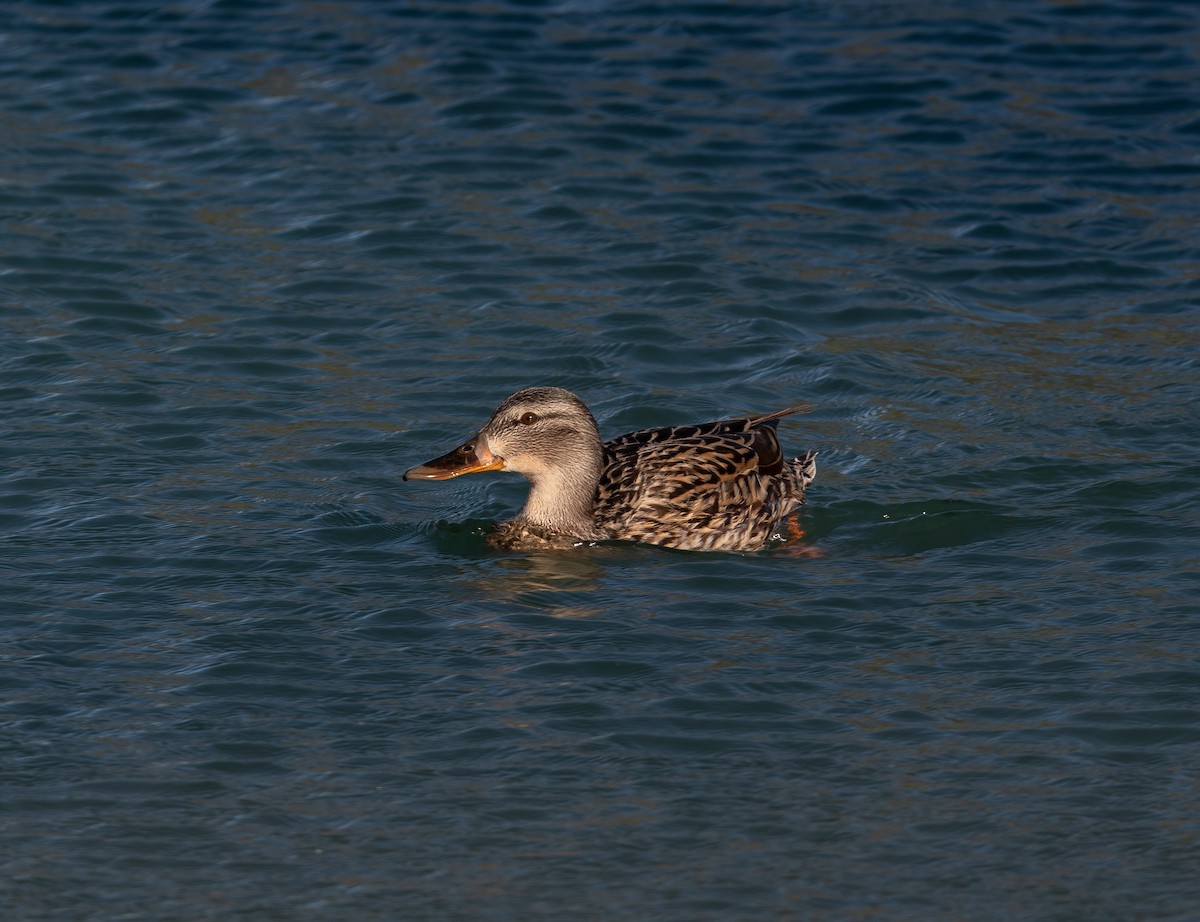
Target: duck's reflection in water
560 584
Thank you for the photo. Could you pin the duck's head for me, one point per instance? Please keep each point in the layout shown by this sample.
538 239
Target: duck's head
545 433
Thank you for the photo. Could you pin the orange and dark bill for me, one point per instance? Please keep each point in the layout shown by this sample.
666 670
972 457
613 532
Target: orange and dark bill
472 458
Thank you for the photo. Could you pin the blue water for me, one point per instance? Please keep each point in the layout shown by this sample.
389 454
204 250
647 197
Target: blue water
259 258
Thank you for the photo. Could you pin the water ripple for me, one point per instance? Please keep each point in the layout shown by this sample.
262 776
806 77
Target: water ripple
260 258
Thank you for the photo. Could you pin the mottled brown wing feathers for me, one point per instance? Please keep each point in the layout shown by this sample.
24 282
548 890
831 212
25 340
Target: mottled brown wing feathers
722 468
634 440
766 446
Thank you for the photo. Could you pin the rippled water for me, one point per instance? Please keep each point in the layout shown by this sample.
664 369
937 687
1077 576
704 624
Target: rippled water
260 257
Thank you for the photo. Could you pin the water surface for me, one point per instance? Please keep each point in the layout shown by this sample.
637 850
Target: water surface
260 258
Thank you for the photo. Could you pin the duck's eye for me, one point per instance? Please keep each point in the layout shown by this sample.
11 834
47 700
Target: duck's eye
529 419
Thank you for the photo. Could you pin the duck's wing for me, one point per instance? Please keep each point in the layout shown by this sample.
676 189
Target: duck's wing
671 485
633 441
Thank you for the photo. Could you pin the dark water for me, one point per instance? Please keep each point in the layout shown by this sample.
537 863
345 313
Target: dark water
260 257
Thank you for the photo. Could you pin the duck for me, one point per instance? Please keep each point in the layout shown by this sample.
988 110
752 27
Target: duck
716 486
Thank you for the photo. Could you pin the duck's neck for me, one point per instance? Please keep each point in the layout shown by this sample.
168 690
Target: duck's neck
564 500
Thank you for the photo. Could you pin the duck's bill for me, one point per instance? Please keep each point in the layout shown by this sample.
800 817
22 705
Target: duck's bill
471 458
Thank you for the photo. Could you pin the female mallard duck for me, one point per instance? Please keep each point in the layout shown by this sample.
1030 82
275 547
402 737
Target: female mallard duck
718 486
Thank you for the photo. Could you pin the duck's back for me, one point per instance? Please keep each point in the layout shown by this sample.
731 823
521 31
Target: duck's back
715 486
